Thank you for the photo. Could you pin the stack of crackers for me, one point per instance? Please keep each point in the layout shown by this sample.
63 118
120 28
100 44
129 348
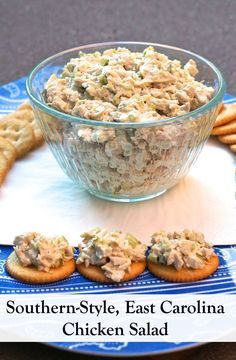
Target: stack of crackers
225 126
19 133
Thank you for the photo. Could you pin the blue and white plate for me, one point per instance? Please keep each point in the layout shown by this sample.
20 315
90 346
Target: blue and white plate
223 281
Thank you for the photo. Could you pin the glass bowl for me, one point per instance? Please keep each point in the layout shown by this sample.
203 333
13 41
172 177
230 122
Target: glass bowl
125 162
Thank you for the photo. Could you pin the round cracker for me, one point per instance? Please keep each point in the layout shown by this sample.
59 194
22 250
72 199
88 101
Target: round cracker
228 139
169 272
227 114
4 167
233 147
229 128
32 275
25 112
19 133
8 150
95 272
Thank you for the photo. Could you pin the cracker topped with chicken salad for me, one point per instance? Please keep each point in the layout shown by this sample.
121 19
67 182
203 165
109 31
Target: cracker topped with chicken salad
182 256
39 259
110 256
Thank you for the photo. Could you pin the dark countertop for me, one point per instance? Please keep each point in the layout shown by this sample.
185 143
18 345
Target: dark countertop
33 30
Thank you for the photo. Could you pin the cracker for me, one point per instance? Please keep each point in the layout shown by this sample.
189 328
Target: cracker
4 167
95 272
19 133
233 147
21 114
229 128
228 139
32 275
25 112
221 107
8 150
169 272
226 115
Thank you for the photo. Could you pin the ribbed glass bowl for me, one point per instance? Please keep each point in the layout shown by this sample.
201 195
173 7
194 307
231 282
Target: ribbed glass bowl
125 161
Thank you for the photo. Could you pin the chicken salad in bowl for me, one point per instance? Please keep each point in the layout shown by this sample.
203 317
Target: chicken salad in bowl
126 121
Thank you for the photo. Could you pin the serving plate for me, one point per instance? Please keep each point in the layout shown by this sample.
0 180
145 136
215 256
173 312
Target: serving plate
49 202
46 203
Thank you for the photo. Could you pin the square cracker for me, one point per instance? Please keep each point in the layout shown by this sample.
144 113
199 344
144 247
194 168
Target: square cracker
19 133
4 167
25 112
8 150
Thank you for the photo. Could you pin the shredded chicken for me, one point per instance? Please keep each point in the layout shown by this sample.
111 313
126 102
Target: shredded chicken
44 253
119 85
113 251
180 249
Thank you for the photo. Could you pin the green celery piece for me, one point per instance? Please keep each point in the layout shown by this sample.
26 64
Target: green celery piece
104 61
152 257
133 242
103 79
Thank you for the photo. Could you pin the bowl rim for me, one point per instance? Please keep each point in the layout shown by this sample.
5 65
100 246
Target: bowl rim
76 119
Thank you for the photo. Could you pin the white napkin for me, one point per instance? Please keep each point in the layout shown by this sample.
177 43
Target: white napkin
38 196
